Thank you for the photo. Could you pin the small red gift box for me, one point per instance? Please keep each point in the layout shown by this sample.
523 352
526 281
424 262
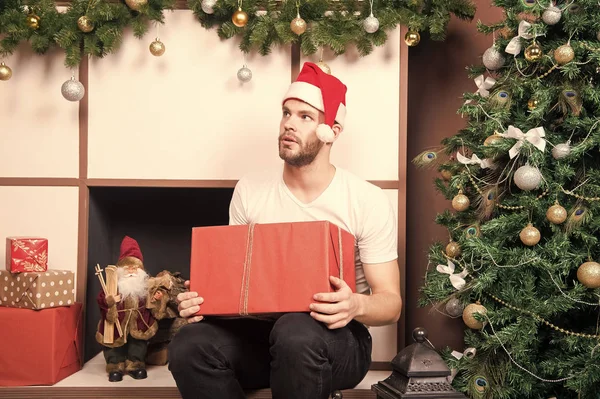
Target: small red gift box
26 254
268 268
39 347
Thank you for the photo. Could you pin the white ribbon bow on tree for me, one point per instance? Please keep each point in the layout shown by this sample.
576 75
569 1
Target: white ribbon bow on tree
483 86
514 46
457 280
475 160
534 136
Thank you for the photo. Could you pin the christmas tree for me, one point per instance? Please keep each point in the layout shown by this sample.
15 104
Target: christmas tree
523 176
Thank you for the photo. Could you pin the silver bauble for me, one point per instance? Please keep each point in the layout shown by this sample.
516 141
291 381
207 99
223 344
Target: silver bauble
527 178
72 90
551 15
454 308
371 24
493 59
244 74
561 150
208 6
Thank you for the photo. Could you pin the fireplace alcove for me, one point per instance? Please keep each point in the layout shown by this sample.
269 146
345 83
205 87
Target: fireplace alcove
160 219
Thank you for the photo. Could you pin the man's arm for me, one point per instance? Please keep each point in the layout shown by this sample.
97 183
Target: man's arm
381 308
384 305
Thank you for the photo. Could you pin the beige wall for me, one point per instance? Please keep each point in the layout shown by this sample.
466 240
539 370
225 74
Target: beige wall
180 116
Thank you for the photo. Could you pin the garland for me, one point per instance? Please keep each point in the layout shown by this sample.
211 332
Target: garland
95 28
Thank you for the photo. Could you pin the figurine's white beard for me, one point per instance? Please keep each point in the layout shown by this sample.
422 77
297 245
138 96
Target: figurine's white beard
132 285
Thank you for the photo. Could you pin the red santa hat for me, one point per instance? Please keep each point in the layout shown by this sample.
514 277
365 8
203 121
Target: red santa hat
130 253
324 92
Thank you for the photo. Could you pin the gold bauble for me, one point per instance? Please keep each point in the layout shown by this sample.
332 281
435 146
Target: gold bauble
556 214
490 140
84 24
453 249
5 72
533 52
412 38
564 54
460 202
324 67
157 48
469 318
532 103
530 235
33 21
136 4
298 25
588 274
239 18
446 174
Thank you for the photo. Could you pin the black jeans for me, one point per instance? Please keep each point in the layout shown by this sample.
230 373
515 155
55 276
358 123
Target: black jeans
296 356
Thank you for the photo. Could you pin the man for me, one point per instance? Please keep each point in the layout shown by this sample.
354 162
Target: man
300 355
127 353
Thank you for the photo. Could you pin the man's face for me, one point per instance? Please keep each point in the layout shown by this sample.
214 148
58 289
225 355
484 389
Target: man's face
298 141
129 271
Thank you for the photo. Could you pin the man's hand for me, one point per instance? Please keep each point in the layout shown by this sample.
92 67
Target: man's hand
339 307
189 304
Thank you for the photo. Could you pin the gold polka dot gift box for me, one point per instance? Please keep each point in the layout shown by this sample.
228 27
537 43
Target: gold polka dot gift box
37 290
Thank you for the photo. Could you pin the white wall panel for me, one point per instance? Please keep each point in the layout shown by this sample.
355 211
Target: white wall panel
369 144
47 212
184 115
39 129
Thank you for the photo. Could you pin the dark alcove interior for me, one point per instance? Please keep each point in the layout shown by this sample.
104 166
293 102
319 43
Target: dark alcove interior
160 219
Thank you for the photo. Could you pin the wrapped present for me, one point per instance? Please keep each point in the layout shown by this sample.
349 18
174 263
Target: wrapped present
39 347
37 290
26 254
268 268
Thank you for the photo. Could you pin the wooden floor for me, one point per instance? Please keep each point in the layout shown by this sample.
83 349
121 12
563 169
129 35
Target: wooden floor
92 382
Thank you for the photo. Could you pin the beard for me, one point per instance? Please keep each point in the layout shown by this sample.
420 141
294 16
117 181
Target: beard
132 285
304 156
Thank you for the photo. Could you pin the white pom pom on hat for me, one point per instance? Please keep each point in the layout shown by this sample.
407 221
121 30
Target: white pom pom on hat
324 92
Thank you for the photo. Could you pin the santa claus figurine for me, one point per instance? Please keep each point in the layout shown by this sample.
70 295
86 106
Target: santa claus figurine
127 352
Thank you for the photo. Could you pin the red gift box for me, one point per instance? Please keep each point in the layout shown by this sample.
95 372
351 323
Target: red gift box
26 254
268 268
39 347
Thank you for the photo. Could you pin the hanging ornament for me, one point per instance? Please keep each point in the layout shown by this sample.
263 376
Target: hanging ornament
239 18
324 67
136 4
556 214
527 178
533 52
371 24
453 249
491 140
564 54
532 104
598 35
460 202
208 6
551 15
33 21
446 174
157 48
561 150
298 25
454 308
72 89
469 315
85 24
493 59
412 38
588 274
530 235
5 71
244 74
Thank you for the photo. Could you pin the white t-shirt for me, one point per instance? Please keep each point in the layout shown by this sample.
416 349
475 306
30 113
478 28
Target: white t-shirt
350 202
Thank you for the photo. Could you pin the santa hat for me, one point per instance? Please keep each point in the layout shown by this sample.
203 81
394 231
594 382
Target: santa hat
324 92
130 253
